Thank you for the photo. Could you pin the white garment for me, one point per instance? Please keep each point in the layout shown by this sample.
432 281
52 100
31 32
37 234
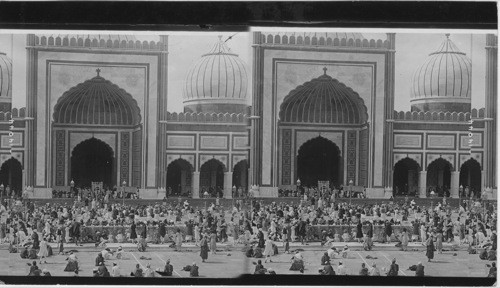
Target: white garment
115 271
268 250
341 270
44 252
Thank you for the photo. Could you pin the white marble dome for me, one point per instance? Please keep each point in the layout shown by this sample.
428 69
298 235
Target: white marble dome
217 82
5 82
443 81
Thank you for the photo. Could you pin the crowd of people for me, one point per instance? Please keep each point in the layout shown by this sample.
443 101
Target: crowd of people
258 227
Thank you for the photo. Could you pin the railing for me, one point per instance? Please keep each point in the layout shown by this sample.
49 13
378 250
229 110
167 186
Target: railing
438 116
80 41
314 40
206 117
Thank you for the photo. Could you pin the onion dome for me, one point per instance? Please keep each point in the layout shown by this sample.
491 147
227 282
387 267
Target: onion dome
5 82
323 100
443 81
97 102
218 82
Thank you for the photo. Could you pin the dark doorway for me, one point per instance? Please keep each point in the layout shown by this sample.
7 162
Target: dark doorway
240 175
319 160
470 175
92 161
405 180
439 176
11 175
179 177
212 177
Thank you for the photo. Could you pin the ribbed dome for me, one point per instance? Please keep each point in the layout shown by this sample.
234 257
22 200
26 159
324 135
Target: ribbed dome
323 100
218 82
443 81
5 82
97 102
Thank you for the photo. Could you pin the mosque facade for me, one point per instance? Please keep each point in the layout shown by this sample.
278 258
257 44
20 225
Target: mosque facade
316 107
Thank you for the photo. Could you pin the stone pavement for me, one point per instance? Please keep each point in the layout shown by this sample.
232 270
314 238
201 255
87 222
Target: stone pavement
230 261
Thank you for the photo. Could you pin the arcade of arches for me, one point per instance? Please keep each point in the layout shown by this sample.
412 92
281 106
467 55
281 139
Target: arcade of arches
93 161
212 177
11 176
439 177
319 160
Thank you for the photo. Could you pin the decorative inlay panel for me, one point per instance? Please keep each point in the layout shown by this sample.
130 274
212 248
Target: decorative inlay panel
180 142
363 158
286 158
407 141
60 157
440 141
136 158
15 140
351 156
124 156
213 142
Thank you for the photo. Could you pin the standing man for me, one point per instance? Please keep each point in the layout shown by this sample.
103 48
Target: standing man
75 229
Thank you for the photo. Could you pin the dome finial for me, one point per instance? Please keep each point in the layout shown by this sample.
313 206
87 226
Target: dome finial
220 37
98 71
324 70
447 35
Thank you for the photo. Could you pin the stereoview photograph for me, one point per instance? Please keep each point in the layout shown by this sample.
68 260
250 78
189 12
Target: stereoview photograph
271 151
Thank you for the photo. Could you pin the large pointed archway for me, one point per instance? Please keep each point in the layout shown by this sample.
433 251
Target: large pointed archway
406 176
439 176
212 177
11 176
470 175
97 108
93 161
319 159
179 177
240 175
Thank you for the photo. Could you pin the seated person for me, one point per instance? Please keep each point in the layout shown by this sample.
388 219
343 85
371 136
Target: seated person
33 269
99 259
345 251
167 270
493 270
297 262
249 252
325 259
194 270
259 268
137 272
72 263
107 253
332 252
119 252
327 270
257 253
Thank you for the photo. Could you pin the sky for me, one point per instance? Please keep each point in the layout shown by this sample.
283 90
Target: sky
412 49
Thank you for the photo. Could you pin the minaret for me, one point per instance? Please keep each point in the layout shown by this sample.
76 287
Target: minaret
490 166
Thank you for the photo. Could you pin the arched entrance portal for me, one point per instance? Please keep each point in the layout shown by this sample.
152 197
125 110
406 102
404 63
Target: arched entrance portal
319 160
212 177
179 177
11 175
92 161
240 176
405 180
439 176
470 176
